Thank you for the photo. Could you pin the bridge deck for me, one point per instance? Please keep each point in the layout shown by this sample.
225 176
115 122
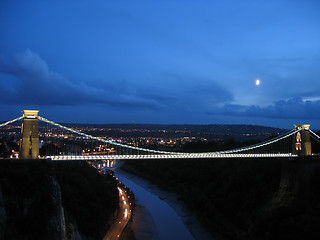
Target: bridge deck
166 156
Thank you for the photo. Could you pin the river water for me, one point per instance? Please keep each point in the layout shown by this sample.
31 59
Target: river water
168 225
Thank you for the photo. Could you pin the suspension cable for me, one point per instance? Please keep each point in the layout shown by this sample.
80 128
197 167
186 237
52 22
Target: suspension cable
105 141
12 121
237 150
314 134
265 143
315 138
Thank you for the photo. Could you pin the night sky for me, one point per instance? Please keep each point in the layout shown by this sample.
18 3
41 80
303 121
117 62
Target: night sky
168 61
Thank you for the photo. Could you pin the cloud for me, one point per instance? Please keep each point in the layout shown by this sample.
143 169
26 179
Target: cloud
293 108
192 92
283 59
211 91
27 79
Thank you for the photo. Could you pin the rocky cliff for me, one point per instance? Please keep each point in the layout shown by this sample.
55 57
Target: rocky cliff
43 200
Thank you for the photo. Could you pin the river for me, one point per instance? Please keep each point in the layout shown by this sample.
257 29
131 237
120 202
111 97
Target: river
154 218
167 223
158 214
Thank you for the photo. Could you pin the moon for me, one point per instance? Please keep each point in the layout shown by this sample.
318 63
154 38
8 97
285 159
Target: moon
257 82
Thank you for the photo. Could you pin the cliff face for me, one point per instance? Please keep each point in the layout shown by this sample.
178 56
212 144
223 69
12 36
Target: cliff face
89 199
59 228
36 202
56 225
3 215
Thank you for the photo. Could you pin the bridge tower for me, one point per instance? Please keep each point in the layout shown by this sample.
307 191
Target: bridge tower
29 141
296 172
302 141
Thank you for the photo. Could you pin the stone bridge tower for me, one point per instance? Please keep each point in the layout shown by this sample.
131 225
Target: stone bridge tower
296 171
29 141
302 141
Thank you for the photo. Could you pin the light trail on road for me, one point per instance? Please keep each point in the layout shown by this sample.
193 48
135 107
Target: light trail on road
124 215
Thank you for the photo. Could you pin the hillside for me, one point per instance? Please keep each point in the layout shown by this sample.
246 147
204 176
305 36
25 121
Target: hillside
239 198
209 131
44 200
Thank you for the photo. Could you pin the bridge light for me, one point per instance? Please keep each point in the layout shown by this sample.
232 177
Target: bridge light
298 146
298 137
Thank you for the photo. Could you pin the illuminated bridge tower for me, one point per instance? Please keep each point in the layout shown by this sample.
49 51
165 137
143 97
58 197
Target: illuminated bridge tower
302 141
29 142
296 171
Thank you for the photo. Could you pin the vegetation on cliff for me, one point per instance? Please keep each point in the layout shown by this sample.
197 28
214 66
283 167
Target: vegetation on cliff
29 199
238 198
88 197
27 190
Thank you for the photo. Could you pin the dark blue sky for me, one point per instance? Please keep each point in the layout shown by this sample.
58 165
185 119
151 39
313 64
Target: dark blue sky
162 61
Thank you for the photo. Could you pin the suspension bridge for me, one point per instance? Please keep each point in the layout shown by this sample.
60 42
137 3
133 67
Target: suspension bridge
56 138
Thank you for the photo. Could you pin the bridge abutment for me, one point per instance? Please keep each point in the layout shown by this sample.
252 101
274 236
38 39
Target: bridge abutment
29 141
297 172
